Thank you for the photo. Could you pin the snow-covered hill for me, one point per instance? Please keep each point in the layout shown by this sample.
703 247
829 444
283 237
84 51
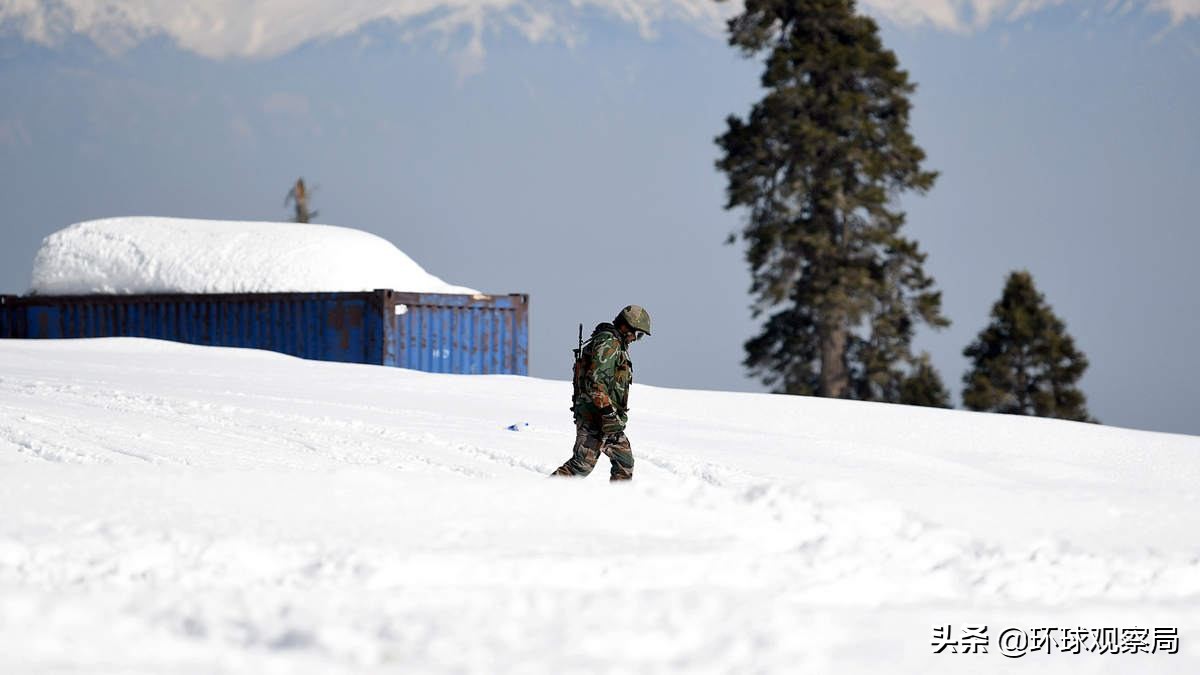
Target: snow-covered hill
174 509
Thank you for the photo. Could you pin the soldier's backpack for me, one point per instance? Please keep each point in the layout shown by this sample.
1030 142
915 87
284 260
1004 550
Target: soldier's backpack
583 363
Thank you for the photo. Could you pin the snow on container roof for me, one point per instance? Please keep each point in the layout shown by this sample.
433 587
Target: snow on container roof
146 255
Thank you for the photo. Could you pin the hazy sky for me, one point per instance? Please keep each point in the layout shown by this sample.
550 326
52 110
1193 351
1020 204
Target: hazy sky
566 150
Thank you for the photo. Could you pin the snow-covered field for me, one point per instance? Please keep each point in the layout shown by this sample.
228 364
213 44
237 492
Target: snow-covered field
174 509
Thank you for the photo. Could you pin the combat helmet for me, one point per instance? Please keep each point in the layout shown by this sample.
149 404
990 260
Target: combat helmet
636 317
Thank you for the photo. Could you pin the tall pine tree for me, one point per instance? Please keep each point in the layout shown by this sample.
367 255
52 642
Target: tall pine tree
817 165
1023 362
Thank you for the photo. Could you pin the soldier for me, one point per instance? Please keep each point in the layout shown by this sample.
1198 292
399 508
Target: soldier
600 403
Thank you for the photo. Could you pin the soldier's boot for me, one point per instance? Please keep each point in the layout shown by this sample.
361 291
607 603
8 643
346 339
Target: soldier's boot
575 468
583 456
620 455
620 471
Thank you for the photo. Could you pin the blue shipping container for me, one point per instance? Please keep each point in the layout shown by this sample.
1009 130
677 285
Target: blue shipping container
433 332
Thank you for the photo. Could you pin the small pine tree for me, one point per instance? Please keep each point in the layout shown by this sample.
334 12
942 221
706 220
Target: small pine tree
923 386
1023 362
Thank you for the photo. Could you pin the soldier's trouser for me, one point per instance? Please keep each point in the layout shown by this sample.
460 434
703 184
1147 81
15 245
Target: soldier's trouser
589 444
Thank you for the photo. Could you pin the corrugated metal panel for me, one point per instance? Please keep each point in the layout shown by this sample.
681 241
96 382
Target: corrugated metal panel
325 326
432 332
8 316
461 333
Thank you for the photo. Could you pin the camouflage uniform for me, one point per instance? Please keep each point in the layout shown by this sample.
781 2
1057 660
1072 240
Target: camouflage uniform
601 406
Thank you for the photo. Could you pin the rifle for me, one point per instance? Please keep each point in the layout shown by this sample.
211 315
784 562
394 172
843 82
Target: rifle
575 369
